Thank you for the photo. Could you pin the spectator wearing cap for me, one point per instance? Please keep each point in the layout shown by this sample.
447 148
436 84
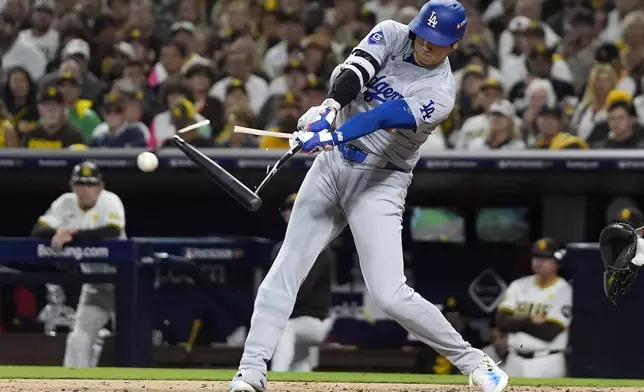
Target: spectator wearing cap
123 53
472 54
290 110
525 13
242 116
478 32
135 113
550 131
478 126
16 52
134 79
592 109
116 132
540 64
173 56
467 104
42 33
19 94
54 131
269 26
611 54
615 18
184 32
104 37
292 79
292 33
200 75
624 132
236 95
183 114
79 111
174 91
601 130
503 132
318 57
78 52
8 134
143 45
238 65
528 38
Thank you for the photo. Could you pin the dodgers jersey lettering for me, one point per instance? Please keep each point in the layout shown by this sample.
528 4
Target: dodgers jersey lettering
524 297
430 94
108 210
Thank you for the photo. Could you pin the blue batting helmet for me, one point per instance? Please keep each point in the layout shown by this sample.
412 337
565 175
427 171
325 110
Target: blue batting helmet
441 22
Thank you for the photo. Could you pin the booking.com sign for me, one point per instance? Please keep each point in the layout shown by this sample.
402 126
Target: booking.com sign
74 252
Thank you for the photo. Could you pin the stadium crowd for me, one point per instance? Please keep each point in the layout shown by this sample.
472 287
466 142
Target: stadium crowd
128 73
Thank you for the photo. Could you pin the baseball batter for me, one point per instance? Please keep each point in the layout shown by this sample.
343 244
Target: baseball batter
89 212
391 92
536 313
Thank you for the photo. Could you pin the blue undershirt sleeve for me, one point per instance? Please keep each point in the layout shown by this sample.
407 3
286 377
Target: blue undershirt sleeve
391 114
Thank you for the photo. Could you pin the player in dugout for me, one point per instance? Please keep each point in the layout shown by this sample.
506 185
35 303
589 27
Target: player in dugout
88 212
536 312
310 323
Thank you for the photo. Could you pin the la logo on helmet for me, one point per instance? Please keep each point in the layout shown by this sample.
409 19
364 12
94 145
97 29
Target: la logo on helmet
433 20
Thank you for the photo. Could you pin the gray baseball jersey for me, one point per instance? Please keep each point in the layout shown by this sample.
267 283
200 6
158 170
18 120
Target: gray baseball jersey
370 199
430 94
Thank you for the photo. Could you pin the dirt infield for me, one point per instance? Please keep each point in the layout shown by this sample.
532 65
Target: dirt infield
44 385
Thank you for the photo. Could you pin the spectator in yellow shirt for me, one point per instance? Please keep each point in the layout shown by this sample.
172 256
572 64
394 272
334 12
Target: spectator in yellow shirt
290 109
551 134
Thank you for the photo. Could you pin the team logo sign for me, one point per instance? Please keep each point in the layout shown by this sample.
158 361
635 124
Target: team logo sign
487 290
433 20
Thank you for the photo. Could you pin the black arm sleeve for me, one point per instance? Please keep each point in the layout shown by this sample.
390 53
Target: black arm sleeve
99 233
547 331
346 86
509 323
42 231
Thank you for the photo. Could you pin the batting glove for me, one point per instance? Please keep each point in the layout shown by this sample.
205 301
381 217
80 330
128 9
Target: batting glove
319 118
314 142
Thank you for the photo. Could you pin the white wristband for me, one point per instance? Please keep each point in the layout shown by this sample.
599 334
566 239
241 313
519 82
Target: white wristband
330 102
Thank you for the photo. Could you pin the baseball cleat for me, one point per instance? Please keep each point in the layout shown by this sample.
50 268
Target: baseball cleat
240 385
488 376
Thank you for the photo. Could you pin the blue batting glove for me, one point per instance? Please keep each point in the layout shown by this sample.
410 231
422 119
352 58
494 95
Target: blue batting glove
315 142
319 118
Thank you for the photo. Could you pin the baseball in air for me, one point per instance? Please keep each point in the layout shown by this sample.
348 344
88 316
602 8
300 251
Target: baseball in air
147 161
